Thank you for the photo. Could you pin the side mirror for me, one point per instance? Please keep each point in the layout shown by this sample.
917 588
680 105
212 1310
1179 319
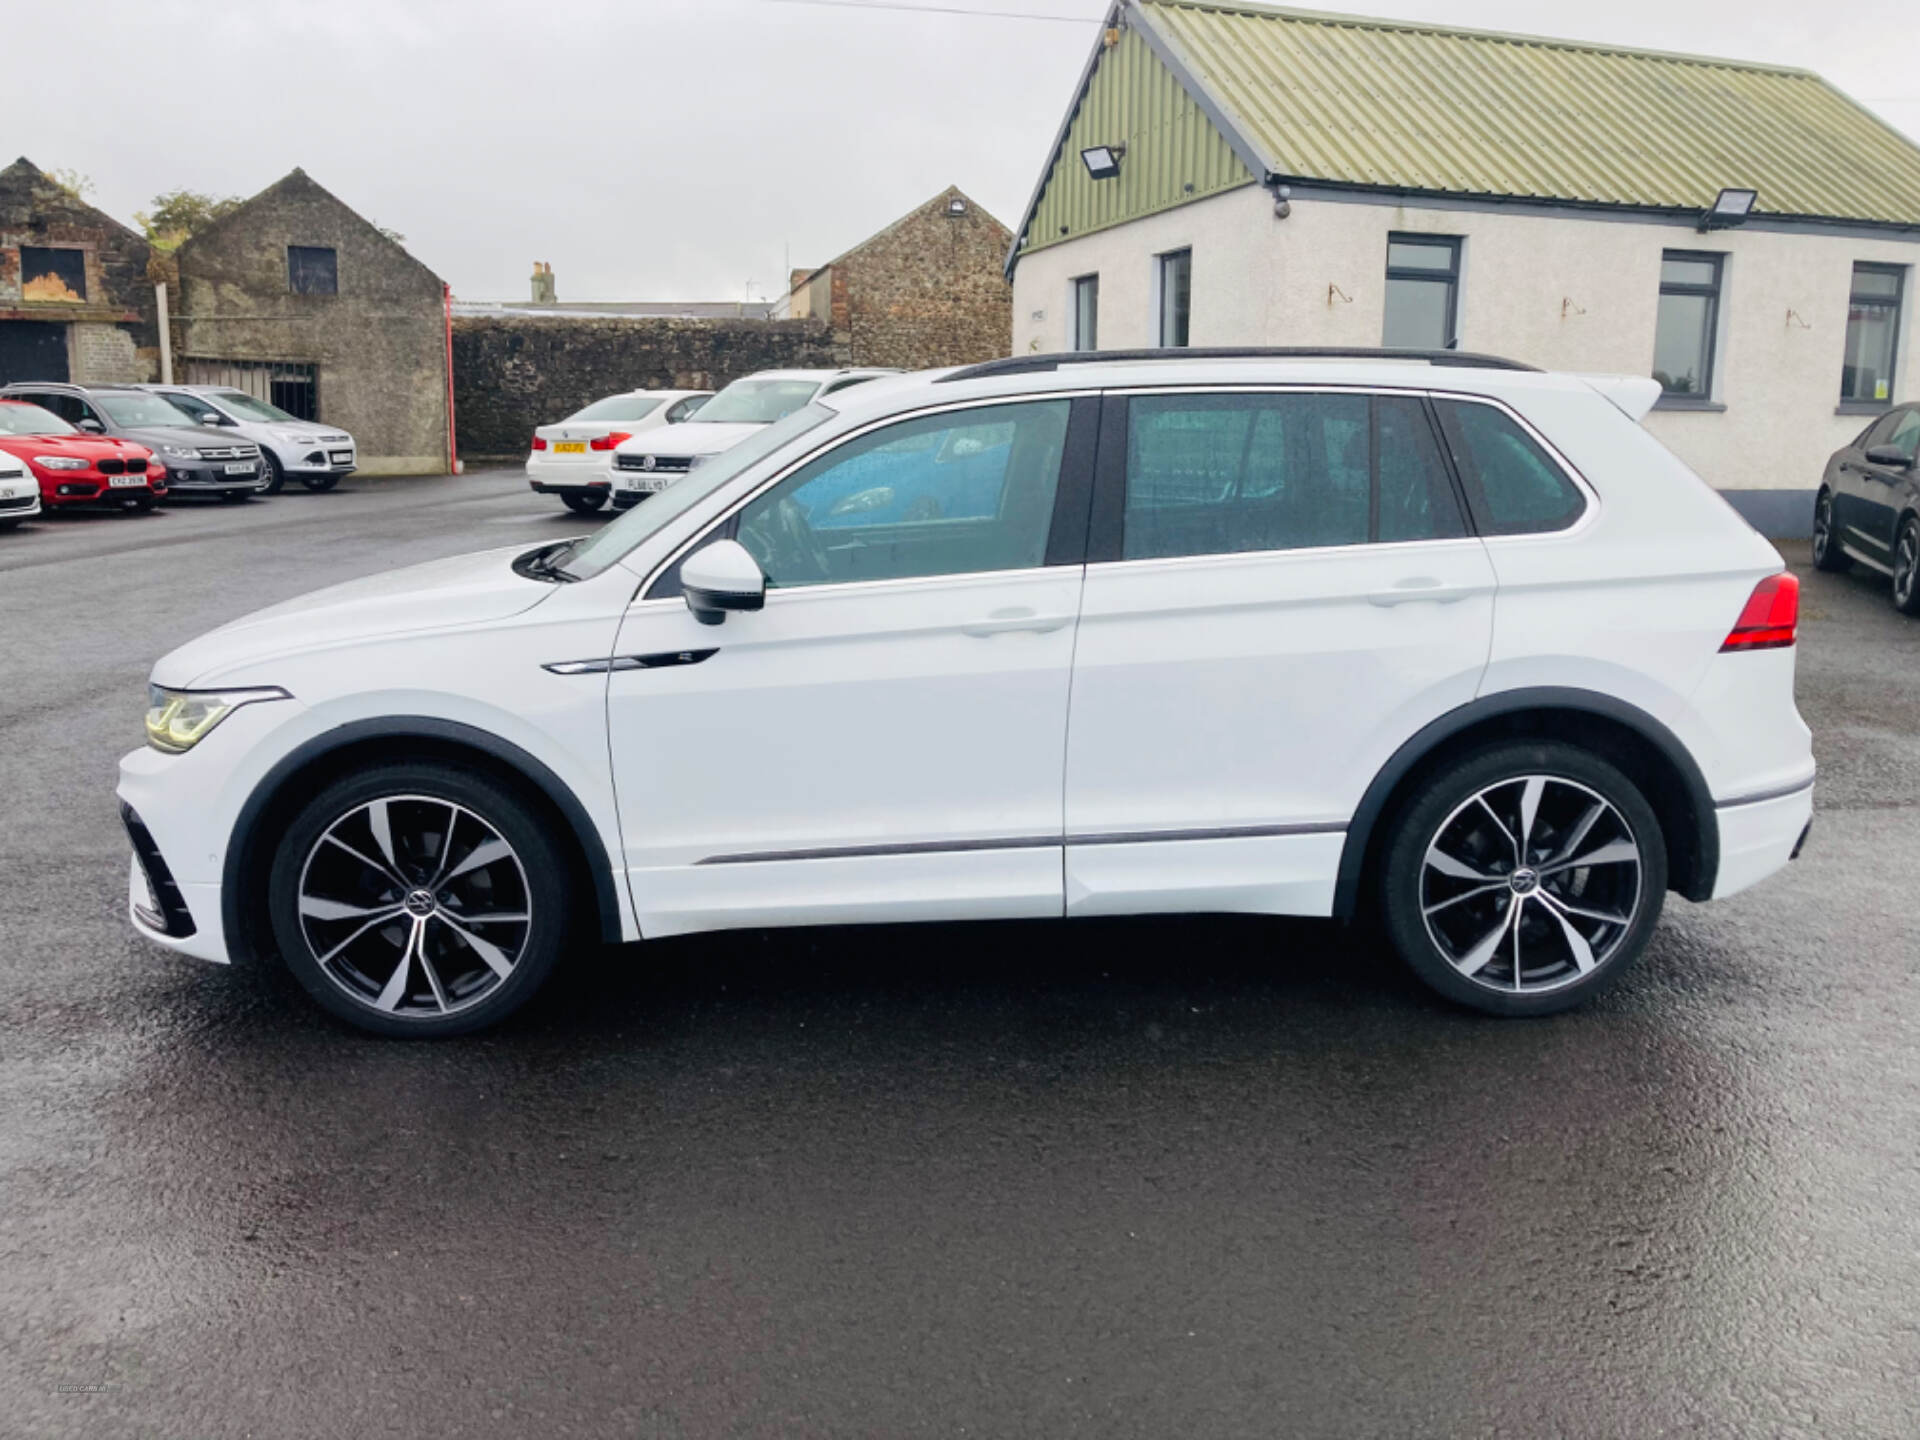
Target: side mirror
90 425
1891 456
719 578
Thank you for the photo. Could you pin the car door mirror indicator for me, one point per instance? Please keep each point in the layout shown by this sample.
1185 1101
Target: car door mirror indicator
721 577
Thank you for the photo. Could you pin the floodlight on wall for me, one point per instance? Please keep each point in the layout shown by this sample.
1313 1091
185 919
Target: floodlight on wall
1102 161
1729 208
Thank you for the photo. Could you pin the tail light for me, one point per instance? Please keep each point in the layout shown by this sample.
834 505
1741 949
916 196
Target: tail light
608 441
538 443
1770 618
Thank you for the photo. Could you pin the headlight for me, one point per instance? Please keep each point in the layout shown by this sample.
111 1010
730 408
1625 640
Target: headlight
178 720
61 462
181 452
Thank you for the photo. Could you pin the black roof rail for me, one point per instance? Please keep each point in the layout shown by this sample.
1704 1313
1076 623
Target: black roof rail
1035 364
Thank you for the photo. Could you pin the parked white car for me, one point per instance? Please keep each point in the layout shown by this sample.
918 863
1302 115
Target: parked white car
1443 641
574 458
19 493
316 455
648 464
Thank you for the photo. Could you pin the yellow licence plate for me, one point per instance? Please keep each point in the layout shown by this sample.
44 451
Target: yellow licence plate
569 447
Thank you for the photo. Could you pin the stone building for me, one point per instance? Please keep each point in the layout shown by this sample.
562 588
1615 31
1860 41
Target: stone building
928 290
300 300
76 301
1230 174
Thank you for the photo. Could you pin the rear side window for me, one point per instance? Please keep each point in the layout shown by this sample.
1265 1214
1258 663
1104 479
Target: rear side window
1513 486
1230 474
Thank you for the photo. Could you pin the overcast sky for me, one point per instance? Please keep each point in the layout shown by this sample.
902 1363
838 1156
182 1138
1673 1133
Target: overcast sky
681 149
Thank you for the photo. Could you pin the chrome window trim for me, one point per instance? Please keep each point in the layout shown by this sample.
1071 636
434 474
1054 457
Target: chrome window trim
730 508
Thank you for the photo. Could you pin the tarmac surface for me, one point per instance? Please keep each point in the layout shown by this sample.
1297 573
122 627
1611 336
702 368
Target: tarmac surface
1194 1177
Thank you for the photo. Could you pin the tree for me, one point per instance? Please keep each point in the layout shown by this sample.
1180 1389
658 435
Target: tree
176 214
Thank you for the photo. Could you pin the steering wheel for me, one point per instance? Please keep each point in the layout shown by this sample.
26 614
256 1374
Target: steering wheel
793 550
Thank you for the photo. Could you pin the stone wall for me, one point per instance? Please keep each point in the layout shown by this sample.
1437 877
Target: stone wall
927 291
378 342
513 373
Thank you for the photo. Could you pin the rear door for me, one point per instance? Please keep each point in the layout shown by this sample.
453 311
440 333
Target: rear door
1281 589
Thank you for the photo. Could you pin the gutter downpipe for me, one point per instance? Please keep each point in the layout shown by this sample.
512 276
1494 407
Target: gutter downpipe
453 445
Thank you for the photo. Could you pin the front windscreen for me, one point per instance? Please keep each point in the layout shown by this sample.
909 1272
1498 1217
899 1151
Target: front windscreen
756 402
132 408
618 407
19 419
248 408
605 546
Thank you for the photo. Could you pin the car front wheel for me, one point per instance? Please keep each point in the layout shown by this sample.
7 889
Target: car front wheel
276 477
419 900
1525 878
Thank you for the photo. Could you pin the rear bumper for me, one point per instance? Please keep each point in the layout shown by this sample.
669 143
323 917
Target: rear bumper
1759 837
583 486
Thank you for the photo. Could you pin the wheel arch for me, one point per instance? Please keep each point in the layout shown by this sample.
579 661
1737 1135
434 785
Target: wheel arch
1650 754
277 798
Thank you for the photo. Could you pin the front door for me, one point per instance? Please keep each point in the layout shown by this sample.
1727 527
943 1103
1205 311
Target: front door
886 739
1281 588
1881 487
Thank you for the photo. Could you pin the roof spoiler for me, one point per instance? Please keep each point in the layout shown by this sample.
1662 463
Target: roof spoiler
1632 395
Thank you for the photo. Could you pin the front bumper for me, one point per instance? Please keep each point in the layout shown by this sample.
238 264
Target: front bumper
183 479
19 500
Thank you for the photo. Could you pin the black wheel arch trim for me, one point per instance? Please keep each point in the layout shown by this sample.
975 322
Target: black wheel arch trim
234 921
1373 804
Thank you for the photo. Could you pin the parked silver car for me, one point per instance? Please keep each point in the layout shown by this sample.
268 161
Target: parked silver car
315 455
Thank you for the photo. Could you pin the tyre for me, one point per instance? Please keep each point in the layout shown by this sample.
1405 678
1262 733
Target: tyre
1827 554
1906 567
319 484
276 477
585 504
414 899
1524 878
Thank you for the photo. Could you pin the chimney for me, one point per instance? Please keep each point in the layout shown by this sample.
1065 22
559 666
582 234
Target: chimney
543 292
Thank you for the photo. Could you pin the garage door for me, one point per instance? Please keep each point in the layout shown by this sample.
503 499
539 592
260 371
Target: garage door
32 350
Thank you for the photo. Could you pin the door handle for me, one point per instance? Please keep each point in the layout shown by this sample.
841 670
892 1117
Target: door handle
1420 587
1014 620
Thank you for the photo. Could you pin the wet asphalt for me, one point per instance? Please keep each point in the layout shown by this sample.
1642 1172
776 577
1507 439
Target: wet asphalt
1190 1177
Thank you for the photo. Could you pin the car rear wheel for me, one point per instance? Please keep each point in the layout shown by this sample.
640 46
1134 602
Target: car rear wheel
1906 568
319 484
417 900
1827 554
585 504
1525 878
276 476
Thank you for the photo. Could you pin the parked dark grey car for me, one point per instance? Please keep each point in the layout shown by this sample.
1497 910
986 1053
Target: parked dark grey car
1868 509
200 460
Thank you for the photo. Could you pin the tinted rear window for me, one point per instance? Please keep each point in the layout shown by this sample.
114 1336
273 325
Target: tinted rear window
1513 486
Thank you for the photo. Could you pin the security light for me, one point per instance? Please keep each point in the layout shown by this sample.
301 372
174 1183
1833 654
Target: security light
1103 161
1730 208
956 206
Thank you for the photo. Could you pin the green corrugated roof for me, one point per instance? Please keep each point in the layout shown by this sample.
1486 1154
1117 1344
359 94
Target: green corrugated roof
1400 105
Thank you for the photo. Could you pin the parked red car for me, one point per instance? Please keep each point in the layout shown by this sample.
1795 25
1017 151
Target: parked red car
75 468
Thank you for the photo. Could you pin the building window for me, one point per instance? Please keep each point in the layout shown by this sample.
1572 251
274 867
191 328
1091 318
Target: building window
1423 291
1689 315
313 270
53 273
1176 297
1086 313
1873 333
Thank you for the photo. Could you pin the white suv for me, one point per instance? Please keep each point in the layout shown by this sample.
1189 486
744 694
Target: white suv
318 456
1438 640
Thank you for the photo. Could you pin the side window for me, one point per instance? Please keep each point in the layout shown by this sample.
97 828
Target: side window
1513 486
1229 474
681 409
1905 436
948 494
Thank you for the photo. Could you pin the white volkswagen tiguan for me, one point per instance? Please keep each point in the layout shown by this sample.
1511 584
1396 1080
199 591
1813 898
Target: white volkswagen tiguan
1438 640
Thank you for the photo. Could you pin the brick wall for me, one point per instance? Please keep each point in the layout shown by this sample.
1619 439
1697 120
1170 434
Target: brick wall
928 290
103 354
512 373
